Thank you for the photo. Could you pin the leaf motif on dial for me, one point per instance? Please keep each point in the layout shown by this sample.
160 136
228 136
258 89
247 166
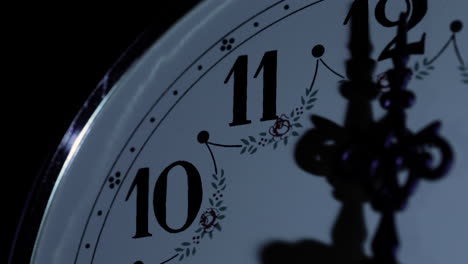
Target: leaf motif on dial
243 150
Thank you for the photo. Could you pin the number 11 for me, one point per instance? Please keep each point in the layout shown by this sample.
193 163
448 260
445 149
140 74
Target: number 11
269 65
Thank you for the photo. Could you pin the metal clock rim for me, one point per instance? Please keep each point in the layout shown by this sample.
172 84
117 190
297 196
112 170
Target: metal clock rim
34 206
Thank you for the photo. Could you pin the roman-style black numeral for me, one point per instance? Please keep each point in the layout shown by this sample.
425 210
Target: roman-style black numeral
419 10
239 111
195 195
141 185
268 66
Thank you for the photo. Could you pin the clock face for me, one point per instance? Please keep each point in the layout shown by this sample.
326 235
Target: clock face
190 156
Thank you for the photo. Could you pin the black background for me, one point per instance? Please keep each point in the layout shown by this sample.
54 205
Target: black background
54 57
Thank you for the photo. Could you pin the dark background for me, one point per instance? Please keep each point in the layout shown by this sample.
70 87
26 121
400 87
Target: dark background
55 56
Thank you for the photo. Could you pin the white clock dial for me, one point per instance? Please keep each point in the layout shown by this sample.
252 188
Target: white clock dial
190 156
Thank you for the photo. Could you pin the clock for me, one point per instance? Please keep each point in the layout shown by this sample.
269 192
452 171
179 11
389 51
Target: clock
190 155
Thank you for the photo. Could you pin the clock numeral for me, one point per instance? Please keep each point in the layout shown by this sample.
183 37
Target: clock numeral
239 111
141 184
416 10
268 66
195 195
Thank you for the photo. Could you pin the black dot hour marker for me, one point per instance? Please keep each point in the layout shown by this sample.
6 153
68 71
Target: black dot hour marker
286 7
318 51
203 137
117 174
87 245
117 182
138 262
152 119
99 213
456 26
175 92
112 186
132 149
256 24
200 67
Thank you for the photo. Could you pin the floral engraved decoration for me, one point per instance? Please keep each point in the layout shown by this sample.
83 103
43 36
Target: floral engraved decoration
424 69
282 128
210 220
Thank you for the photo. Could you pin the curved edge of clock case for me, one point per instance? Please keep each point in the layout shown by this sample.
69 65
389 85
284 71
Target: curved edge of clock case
34 208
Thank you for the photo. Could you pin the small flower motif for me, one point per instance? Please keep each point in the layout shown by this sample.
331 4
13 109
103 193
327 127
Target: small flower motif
299 110
227 44
196 240
209 220
281 127
218 195
262 142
